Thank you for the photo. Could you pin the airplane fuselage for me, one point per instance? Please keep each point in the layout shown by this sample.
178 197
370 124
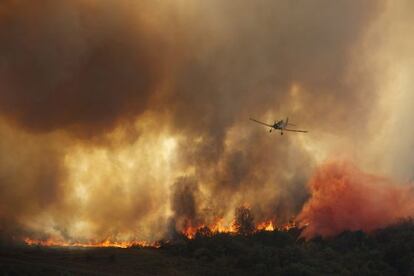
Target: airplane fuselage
279 125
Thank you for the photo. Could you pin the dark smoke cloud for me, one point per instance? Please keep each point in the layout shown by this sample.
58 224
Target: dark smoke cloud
185 203
70 65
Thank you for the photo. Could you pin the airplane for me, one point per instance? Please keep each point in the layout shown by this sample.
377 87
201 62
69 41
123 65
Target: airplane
282 125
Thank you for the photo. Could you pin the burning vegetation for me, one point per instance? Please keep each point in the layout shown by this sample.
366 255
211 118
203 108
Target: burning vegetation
101 244
343 198
387 251
243 224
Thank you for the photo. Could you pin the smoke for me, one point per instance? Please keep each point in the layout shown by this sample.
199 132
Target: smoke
394 140
345 198
267 59
184 203
31 182
76 66
117 116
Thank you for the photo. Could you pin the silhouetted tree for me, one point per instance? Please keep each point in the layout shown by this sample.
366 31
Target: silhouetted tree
244 221
204 232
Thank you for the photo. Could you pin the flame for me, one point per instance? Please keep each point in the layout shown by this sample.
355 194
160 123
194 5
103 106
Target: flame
266 226
219 227
215 228
105 243
190 232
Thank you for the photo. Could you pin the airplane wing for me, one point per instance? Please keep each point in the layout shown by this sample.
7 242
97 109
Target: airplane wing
295 130
260 122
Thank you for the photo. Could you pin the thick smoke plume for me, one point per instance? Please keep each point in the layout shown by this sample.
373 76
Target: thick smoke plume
345 198
118 117
75 65
184 203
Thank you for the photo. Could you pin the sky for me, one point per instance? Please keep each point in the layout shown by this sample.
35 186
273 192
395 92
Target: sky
125 120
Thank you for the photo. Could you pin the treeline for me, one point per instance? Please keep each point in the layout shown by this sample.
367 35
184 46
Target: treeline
388 251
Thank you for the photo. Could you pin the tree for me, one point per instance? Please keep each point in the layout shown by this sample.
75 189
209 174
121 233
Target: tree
203 232
244 221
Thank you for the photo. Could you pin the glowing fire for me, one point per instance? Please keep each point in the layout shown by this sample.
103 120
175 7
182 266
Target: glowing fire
215 228
189 232
266 226
218 227
105 243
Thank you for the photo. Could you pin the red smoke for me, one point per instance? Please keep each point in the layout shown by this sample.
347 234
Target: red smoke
345 198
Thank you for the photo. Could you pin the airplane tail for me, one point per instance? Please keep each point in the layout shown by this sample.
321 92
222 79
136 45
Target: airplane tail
287 122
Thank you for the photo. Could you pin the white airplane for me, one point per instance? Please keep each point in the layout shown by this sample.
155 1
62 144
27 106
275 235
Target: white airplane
282 125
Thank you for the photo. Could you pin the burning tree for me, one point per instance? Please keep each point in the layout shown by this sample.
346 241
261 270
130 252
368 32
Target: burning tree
244 221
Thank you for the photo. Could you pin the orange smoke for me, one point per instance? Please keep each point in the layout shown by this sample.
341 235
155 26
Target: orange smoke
345 198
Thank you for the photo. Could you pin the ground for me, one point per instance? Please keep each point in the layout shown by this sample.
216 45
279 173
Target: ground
388 251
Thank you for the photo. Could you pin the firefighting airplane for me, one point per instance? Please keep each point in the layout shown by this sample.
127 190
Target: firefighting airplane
282 125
